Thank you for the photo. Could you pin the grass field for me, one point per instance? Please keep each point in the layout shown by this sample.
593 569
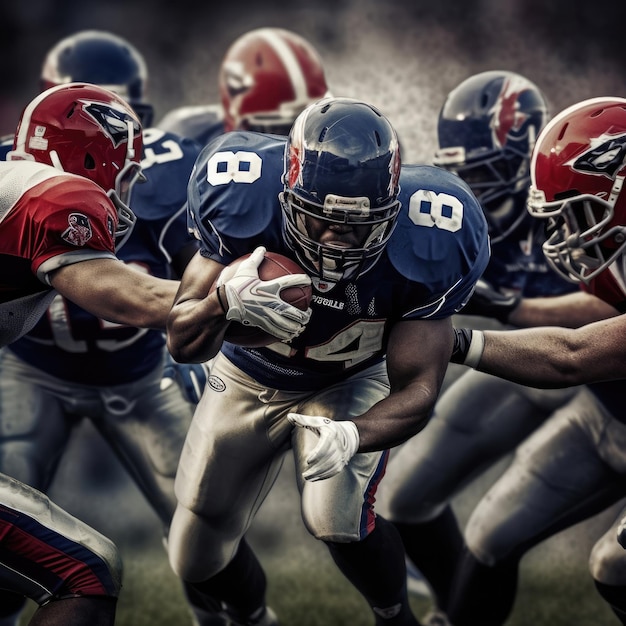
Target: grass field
304 587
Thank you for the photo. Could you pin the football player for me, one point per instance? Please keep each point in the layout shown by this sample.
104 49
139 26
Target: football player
72 364
574 465
266 78
486 131
391 254
64 194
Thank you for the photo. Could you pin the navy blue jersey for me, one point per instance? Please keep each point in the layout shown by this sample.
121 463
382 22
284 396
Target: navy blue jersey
79 347
438 250
518 263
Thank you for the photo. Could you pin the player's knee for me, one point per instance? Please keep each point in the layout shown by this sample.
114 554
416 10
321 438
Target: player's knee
490 544
105 579
191 535
607 562
329 529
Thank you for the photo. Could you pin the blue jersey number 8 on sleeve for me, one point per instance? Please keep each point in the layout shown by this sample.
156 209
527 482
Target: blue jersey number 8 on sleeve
428 208
237 167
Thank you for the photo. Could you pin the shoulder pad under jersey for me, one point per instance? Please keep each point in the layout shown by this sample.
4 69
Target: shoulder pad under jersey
441 236
167 162
233 194
200 123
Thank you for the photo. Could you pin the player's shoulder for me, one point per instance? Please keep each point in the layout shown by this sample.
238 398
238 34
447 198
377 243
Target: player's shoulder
200 122
241 157
154 137
441 231
244 141
20 176
236 183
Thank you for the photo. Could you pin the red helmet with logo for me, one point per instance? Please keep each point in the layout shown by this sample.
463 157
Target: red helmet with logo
577 175
86 130
268 76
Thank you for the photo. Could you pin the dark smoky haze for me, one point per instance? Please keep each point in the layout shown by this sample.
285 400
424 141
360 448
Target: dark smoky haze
402 56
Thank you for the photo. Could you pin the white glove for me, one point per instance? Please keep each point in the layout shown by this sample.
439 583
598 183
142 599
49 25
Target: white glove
338 443
256 302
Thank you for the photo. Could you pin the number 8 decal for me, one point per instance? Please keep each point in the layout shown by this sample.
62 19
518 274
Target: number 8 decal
427 208
237 167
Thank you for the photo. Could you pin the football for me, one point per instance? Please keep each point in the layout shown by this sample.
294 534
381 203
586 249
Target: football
272 266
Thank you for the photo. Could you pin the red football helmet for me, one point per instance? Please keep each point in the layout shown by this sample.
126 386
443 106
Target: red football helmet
577 173
86 130
268 76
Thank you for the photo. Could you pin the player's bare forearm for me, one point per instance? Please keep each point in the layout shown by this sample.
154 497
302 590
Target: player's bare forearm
197 322
570 310
417 359
116 292
558 357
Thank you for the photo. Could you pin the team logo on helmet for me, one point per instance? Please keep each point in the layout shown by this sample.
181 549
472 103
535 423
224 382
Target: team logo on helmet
295 157
237 80
112 120
79 232
605 156
507 113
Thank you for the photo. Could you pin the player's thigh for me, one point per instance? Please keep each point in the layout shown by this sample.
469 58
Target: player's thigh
151 429
556 479
235 445
607 562
478 420
34 429
340 508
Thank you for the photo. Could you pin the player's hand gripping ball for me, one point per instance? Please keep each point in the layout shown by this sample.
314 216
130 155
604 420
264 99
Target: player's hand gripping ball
267 307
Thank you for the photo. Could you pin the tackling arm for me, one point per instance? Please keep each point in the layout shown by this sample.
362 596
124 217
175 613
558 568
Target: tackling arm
550 357
114 291
570 310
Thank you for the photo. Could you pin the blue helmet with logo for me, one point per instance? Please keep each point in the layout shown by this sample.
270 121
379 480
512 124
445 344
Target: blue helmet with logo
342 169
486 132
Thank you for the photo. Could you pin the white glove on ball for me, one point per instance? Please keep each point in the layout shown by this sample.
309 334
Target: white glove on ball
256 302
338 443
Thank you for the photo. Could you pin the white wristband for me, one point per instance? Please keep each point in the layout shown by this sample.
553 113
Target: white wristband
475 352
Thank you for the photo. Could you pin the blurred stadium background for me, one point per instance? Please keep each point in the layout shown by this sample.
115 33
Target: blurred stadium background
403 56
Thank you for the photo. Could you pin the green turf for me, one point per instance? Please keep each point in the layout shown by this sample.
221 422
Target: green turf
308 591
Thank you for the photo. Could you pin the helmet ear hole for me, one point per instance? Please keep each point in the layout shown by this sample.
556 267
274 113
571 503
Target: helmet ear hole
90 162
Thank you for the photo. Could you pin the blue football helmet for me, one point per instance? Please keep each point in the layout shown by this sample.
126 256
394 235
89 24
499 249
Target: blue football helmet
104 59
486 130
342 166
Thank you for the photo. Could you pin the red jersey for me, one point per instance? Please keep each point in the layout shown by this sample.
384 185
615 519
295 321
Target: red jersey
48 219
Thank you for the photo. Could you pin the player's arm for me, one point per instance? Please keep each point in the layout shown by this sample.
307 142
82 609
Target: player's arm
417 359
114 291
243 298
417 356
197 321
571 310
548 357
